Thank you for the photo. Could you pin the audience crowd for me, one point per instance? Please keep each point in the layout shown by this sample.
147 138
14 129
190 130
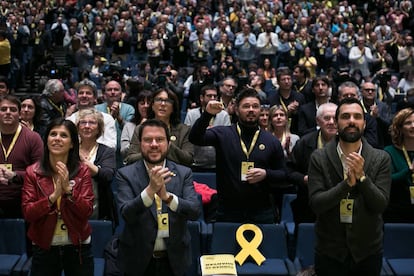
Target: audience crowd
184 63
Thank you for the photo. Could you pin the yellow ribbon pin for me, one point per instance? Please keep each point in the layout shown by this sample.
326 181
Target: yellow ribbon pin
249 248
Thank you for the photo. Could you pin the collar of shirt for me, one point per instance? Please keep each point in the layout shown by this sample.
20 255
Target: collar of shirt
342 157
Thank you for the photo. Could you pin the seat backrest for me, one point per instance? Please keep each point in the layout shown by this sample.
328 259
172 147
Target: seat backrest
398 240
101 235
208 178
286 212
273 244
194 228
12 236
305 244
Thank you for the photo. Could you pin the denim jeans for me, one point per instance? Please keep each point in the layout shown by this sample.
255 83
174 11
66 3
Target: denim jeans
74 260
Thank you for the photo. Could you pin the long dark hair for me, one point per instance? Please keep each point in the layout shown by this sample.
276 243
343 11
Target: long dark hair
35 100
73 157
142 96
175 115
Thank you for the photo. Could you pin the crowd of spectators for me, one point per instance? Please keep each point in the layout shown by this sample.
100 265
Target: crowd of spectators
126 61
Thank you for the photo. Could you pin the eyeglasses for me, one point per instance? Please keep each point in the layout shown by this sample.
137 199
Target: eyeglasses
164 101
91 123
369 89
157 140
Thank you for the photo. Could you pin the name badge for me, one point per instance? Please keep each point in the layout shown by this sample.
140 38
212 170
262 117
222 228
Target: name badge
345 210
412 194
245 167
61 233
163 226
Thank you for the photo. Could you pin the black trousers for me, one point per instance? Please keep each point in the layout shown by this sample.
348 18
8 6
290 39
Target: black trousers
370 266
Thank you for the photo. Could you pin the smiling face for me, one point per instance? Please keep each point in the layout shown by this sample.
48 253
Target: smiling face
248 111
408 128
154 144
86 97
88 127
59 141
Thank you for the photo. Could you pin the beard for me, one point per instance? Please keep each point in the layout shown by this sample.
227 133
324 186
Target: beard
349 137
153 161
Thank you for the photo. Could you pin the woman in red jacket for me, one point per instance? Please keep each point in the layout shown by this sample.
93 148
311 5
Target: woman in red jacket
57 200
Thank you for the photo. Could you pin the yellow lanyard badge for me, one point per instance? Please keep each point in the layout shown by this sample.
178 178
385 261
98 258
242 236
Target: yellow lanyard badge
409 163
7 151
162 219
246 165
346 209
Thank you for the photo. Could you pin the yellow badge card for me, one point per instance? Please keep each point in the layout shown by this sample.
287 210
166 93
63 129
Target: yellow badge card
163 227
345 210
245 166
61 233
8 166
412 194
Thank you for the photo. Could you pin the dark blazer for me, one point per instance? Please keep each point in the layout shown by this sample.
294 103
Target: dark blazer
106 161
138 237
307 118
294 96
327 188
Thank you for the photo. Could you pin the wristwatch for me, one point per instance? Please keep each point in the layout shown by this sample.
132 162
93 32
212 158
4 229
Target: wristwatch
169 199
362 178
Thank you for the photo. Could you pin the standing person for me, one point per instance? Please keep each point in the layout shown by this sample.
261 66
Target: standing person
29 112
144 99
321 88
401 208
5 54
205 157
360 58
278 126
57 200
100 160
378 110
249 161
268 44
299 160
21 148
52 103
287 97
120 112
349 188
164 107
87 97
150 190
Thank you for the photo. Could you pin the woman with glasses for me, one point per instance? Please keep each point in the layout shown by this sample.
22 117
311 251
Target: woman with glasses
164 107
100 160
57 201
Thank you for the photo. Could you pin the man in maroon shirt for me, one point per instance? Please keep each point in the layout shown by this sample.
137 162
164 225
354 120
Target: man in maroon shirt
21 147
